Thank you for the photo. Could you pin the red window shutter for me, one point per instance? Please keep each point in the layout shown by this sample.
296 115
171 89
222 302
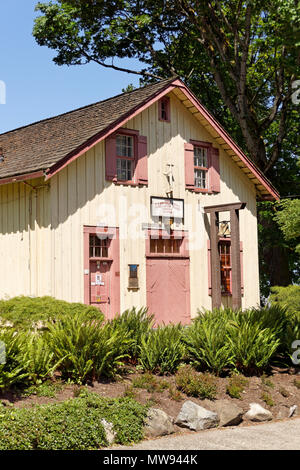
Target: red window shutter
189 166
142 160
209 266
110 158
214 171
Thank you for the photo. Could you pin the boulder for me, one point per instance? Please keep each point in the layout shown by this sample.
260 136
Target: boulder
158 423
196 417
229 413
283 412
258 413
109 431
293 411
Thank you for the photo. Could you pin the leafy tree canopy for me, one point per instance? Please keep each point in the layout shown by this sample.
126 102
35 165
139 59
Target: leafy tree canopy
240 57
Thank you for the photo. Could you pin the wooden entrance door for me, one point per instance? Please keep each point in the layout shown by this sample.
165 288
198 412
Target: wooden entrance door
168 290
100 285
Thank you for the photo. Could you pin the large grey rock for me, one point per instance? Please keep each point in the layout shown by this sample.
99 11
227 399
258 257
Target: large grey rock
229 413
196 417
109 431
258 413
158 423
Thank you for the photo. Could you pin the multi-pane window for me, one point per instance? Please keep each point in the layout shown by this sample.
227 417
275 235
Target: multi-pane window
98 247
201 167
225 264
125 157
165 246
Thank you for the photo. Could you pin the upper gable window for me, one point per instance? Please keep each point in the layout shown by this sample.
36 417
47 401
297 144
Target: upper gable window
201 167
164 109
125 157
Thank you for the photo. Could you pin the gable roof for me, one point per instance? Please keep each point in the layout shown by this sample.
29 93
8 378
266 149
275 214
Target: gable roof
45 147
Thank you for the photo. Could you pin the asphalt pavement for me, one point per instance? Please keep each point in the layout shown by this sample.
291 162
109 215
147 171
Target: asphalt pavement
276 435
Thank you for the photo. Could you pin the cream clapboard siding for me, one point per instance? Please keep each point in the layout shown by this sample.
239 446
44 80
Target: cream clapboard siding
41 239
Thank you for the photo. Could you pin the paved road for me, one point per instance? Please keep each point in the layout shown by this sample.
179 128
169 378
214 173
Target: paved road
283 435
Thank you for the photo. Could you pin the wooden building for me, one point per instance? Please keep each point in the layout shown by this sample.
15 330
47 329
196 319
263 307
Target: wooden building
141 199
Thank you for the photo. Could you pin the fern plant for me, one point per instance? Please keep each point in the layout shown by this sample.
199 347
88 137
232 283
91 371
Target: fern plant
162 350
252 346
14 369
135 323
87 349
207 344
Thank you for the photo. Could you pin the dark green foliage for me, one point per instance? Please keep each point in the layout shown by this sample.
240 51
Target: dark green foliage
86 348
15 369
206 343
252 346
25 312
196 385
287 298
135 323
162 349
71 425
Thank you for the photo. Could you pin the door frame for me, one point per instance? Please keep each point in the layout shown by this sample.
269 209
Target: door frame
113 258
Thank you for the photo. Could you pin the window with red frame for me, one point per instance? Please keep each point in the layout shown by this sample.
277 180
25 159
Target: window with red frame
225 263
165 246
201 167
125 157
164 109
99 247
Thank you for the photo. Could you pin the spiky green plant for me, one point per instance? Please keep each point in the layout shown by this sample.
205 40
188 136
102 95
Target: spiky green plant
135 323
162 350
87 349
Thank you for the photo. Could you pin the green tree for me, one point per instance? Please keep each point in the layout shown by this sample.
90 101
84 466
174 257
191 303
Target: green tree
239 57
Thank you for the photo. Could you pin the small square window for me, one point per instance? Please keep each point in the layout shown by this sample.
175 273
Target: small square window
133 282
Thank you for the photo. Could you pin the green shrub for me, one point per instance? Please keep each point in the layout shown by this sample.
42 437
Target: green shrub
162 350
71 425
46 389
135 323
196 385
15 369
86 349
206 342
236 386
286 297
252 346
25 312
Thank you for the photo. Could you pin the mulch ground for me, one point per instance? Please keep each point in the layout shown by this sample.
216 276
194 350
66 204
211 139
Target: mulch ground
280 387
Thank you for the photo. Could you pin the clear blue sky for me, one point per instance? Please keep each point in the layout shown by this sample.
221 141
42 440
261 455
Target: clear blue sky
36 88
